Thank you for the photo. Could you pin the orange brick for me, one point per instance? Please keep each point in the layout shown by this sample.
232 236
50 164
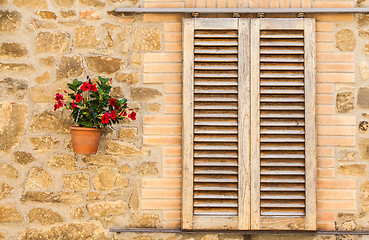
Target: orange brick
335 17
161 193
162 67
324 47
172 162
285 3
335 120
324 27
168 140
325 216
232 3
160 78
173 109
274 3
336 141
306 4
326 173
324 99
221 3
173 27
172 215
211 3
325 88
172 172
336 194
324 37
328 226
325 151
333 5
172 224
162 58
161 183
295 4
162 119
161 204
173 88
263 3
173 47
172 37
254 3
335 57
336 130
172 151
164 5
334 205
173 99
335 77
162 130
337 183
325 162
200 3
325 109
335 67
152 17
190 3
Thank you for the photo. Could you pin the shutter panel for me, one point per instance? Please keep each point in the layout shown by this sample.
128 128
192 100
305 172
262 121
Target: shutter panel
215 97
283 139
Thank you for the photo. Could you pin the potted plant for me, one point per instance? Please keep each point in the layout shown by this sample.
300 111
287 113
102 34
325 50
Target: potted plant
92 108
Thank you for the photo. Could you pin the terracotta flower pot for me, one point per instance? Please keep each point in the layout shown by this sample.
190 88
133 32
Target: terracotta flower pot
85 140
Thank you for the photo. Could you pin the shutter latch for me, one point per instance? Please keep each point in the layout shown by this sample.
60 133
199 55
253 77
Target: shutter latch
301 15
195 15
260 15
236 15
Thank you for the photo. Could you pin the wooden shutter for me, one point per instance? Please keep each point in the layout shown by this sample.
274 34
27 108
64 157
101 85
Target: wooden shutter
215 118
283 124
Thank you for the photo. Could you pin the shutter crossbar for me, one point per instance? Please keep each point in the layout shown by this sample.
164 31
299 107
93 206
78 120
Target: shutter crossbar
242 10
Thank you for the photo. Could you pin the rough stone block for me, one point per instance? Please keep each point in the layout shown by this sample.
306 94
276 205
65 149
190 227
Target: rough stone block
345 40
39 178
52 197
42 144
16 67
78 182
106 208
101 160
85 37
11 87
31 3
13 50
64 3
49 122
8 171
67 162
9 213
127 133
143 93
70 67
345 102
125 149
44 216
107 65
144 221
5 190
363 97
147 168
130 78
57 42
46 14
353 169
146 39
23 158
10 21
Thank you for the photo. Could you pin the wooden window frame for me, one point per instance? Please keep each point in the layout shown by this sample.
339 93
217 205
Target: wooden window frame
248 81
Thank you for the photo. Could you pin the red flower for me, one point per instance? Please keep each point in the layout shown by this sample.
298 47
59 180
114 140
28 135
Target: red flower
59 97
57 105
93 88
113 102
132 115
113 115
74 105
85 86
78 98
105 118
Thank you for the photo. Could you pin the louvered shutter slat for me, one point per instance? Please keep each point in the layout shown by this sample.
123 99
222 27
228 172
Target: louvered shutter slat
280 153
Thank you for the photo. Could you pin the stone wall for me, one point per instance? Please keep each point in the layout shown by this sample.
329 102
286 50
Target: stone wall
47 192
